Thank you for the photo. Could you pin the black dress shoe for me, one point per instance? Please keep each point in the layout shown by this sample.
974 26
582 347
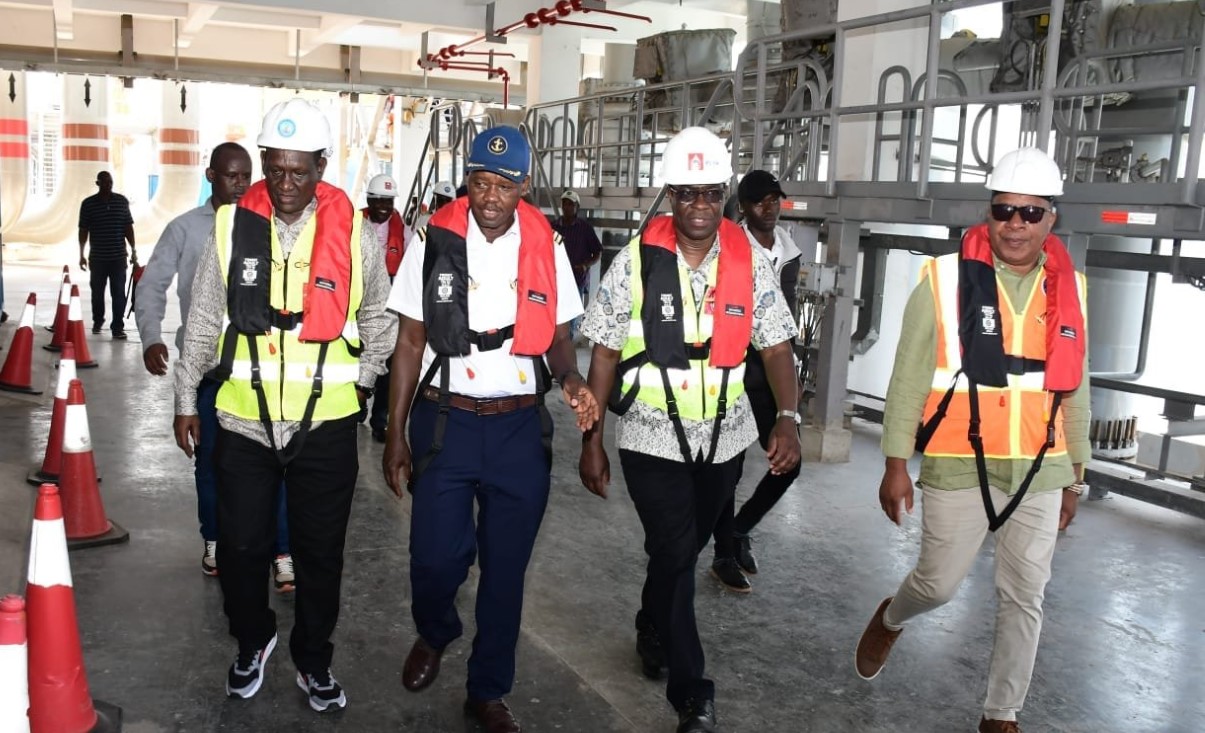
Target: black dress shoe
744 554
96 330
494 715
378 435
422 666
725 570
697 716
120 335
648 646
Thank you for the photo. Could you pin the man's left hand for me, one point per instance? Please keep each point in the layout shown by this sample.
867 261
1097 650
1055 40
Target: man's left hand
783 450
581 400
1067 511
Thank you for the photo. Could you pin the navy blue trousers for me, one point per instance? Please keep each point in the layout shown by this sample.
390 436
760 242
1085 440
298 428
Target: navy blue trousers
499 462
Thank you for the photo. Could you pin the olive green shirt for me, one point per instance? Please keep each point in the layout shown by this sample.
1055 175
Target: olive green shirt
912 380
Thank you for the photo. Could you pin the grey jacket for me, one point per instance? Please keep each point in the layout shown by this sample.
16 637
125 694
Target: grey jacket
175 258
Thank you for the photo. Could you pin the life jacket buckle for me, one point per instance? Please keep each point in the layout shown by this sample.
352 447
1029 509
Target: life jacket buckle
973 430
1049 436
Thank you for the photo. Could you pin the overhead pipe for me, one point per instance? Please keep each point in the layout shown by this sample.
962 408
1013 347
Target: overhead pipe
555 15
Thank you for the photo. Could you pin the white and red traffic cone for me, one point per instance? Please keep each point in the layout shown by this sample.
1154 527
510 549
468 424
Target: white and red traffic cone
83 510
52 460
17 374
59 700
14 666
60 313
75 333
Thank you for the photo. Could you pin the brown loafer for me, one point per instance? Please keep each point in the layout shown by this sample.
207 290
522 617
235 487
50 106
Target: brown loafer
422 666
494 715
998 726
875 645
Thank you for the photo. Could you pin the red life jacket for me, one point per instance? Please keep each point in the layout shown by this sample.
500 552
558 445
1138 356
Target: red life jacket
536 288
733 313
395 245
327 296
983 349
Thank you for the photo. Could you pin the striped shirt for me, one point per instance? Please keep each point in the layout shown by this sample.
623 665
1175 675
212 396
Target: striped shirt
106 220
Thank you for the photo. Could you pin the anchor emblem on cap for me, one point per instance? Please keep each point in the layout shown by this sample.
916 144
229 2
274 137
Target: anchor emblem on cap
497 145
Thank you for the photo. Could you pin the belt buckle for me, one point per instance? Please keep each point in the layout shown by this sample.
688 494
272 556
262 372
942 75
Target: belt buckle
481 408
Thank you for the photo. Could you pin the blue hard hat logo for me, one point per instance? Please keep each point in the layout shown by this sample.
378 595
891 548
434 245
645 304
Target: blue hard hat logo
286 128
497 145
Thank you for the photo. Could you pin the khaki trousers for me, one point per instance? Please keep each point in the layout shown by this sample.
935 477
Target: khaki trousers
954 527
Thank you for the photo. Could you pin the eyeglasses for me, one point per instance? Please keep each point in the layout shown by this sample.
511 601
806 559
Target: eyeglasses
690 195
1029 214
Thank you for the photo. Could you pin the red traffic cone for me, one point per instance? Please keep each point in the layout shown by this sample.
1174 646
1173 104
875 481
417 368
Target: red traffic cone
75 333
17 375
60 313
14 673
59 700
83 510
53 460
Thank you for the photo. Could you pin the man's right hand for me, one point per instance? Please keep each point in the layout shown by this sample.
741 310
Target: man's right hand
594 468
396 463
895 491
154 358
83 263
188 432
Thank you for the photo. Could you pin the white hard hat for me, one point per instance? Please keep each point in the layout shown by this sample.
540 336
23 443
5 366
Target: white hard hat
1027 171
445 189
296 125
571 196
382 186
696 156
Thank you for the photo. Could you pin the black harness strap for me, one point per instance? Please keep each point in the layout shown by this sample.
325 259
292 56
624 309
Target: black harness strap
994 522
671 408
925 432
225 366
285 454
543 384
721 410
440 364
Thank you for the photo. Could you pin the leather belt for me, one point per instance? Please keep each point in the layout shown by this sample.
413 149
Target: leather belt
483 406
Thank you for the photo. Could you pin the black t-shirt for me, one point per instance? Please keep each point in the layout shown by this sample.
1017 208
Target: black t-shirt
105 221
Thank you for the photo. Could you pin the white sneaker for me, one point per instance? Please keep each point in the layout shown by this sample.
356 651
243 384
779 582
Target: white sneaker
282 574
209 559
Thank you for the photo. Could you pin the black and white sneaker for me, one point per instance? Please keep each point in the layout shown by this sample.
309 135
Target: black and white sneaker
247 673
324 691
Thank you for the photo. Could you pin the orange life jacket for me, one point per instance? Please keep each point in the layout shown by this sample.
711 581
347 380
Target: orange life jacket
327 296
395 246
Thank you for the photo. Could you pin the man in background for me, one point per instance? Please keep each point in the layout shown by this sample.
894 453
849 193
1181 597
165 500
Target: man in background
581 244
393 235
106 223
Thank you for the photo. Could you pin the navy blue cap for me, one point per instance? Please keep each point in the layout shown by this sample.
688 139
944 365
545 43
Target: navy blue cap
502 150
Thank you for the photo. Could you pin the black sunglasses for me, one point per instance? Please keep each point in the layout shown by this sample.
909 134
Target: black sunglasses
1029 214
690 195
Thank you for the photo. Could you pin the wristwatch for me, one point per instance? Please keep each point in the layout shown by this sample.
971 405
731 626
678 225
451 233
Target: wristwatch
1078 488
791 414
367 391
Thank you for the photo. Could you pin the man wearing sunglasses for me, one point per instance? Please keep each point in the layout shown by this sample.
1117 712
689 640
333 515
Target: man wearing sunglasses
992 365
671 323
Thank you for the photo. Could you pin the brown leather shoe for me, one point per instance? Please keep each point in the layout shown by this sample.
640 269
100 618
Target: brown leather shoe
495 715
998 726
422 666
875 645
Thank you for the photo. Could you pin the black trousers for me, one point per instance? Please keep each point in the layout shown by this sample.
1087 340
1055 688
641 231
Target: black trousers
768 491
379 416
678 504
321 481
112 272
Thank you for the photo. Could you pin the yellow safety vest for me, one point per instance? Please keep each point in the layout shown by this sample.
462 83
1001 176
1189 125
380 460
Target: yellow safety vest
283 358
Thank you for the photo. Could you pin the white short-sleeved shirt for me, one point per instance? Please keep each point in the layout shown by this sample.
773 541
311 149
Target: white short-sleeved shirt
493 270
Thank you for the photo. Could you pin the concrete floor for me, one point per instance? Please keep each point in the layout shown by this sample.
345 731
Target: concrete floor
1123 650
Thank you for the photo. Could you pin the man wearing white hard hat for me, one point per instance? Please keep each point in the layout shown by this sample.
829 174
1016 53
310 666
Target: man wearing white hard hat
288 311
394 236
672 320
441 195
992 365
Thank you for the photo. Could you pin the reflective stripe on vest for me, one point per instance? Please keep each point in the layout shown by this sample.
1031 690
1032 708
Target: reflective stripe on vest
696 389
281 349
1013 418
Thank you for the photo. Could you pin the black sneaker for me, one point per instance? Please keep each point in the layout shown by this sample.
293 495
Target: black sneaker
378 435
96 330
120 335
648 647
725 570
697 716
247 673
324 691
744 553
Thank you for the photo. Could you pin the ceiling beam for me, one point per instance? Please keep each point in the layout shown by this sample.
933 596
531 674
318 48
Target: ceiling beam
137 8
331 28
63 20
198 15
266 18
